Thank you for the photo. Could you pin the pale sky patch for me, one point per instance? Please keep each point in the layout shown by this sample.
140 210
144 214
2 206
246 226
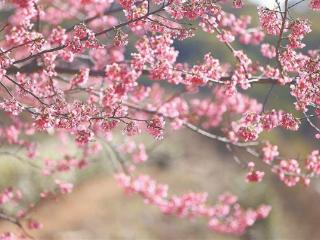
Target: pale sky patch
268 3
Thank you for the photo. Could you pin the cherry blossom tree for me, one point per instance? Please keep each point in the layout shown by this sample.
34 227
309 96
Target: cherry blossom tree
83 70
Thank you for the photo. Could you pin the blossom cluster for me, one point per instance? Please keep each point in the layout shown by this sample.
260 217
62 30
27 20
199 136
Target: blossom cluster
252 124
226 216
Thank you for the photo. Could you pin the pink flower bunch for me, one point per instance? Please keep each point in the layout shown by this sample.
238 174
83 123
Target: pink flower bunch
9 195
249 127
11 106
64 187
268 51
8 236
313 163
254 175
288 171
270 152
155 127
212 112
299 28
307 85
238 3
155 54
314 4
231 218
81 78
227 216
269 21
23 3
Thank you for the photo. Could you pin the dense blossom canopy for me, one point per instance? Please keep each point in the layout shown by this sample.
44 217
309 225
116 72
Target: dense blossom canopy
81 70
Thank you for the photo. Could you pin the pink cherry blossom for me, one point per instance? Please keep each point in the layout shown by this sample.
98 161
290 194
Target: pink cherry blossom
315 4
80 73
